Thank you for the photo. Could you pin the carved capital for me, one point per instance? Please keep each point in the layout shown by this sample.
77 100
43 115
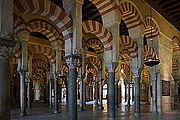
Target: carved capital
22 71
112 66
6 47
73 60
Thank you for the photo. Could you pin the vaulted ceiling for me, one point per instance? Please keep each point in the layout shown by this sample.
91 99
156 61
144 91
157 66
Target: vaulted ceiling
170 9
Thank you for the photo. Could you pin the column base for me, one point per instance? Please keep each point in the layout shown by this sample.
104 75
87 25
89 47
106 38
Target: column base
137 115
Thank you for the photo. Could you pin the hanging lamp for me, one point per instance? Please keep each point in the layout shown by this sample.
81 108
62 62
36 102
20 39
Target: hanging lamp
151 61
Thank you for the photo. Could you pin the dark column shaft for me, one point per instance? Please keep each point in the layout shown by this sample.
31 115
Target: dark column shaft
125 87
117 92
56 105
81 94
111 95
72 94
4 90
137 96
50 93
101 93
22 93
29 95
128 103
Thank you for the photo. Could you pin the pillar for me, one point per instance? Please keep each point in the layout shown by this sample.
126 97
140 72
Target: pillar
96 91
132 92
154 89
50 91
101 93
72 62
159 92
117 92
5 50
111 89
129 95
137 94
125 87
22 69
56 104
81 91
29 93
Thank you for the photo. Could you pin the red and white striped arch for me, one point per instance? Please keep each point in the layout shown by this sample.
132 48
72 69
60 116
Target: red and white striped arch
148 52
126 69
130 44
130 15
95 44
95 28
47 51
45 28
175 64
48 10
176 43
151 27
95 61
39 64
105 6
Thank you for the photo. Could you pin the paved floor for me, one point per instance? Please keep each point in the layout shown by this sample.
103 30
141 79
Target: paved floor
42 112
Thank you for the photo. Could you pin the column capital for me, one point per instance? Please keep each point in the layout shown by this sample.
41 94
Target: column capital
73 60
6 45
22 71
112 66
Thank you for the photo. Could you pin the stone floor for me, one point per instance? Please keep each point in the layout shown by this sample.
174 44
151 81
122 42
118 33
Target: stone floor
41 112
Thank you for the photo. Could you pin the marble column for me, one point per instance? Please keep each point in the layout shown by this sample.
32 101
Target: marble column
111 89
159 92
137 95
125 87
132 92
129 95
96 92
22 93
72 62
5 49
29 93
81 93
22 69
50 91
56 104
117 92
101 93
154 89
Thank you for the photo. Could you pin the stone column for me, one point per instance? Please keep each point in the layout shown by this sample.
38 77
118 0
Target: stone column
82 76
56 104
5 49
81 91
117 92
137 94
72 62
101 93
50 91
96 91
111 89
22 69
22 92
129 96
154 89
29 93
132 92
159 92
125 87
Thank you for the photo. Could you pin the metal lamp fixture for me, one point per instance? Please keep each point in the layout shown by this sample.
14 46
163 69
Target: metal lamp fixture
151 61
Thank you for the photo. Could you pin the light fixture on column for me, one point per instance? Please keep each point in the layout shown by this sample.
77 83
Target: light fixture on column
151 61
